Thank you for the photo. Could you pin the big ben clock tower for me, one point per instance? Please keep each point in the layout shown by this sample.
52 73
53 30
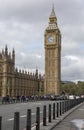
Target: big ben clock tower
52 56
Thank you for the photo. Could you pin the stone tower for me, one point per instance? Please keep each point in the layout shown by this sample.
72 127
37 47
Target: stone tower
52 45
7 63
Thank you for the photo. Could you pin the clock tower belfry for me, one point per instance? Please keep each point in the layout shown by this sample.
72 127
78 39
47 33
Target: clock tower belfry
52 45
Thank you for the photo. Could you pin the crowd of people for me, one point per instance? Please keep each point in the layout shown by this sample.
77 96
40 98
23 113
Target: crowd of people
7 99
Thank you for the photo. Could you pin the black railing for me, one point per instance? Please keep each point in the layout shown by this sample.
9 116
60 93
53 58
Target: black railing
56 110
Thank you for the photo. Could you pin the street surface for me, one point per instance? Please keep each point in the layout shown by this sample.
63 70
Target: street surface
74 121
7 113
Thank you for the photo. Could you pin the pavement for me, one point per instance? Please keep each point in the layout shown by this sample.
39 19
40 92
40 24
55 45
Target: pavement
70 120
73 121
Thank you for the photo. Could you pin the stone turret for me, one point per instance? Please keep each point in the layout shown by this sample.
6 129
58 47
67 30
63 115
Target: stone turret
13 55
6 51
36 74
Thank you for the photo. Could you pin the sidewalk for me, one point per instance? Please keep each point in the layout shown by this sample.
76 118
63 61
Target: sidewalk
75 121
71 120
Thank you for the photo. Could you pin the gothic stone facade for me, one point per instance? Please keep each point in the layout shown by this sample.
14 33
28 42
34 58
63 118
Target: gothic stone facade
52 45
14 82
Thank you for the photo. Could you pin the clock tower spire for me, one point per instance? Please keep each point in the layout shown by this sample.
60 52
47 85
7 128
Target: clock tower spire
52 17
52 45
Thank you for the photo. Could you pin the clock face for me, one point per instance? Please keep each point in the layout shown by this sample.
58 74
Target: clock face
50 39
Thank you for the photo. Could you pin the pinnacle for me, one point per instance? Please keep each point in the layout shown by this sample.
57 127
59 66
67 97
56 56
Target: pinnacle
53 12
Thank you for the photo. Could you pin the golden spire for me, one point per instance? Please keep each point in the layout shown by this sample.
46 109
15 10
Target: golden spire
53 12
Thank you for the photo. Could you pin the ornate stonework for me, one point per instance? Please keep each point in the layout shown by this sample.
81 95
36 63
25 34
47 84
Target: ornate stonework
52 56
15 82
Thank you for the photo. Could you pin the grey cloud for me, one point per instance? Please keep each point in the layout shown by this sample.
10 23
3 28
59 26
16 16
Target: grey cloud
22 25
23 10
30 61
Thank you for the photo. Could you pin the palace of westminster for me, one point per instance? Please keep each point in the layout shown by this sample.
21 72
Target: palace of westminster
16 82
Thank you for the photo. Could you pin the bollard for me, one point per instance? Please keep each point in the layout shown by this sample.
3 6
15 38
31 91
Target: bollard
49 118
69 104
0 122
16 121
57 109
38 118
44 116
65 106
53 111
28 127
60 108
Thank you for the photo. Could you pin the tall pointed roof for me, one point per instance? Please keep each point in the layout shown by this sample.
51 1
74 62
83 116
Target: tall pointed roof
13 51
52 20
53 12
6 50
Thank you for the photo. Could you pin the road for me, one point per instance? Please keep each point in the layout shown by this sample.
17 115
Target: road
7 113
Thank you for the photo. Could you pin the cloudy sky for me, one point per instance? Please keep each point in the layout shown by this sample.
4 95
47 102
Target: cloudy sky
22 25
